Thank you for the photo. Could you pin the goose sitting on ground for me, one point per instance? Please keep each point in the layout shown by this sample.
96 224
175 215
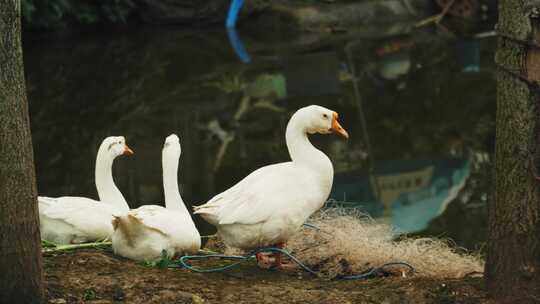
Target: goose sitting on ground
144 233
269 205
74 219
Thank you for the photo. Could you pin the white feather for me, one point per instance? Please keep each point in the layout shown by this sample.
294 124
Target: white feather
271 204
74 219
144 233
71 219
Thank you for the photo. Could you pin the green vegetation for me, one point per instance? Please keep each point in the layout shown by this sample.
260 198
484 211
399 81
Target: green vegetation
162 263
56 14
47 246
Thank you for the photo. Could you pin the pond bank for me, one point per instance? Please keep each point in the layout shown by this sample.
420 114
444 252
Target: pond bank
97 276
303 16
290 16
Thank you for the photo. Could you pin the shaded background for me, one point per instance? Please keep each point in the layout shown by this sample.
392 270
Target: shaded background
418 104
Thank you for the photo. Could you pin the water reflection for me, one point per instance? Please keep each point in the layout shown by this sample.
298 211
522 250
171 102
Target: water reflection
403 99
407 193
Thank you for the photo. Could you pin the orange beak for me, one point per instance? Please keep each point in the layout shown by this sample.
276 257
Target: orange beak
337 128
128 151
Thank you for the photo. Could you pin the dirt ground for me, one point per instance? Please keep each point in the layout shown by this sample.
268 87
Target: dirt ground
97 276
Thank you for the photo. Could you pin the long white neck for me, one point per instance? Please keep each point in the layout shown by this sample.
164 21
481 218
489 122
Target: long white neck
173 200
106 188
301 150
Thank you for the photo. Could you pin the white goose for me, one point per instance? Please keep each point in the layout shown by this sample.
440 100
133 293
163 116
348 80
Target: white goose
74 219
269 205
144 233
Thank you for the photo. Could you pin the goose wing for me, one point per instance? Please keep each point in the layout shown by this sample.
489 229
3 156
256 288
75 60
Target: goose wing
257 197
89 216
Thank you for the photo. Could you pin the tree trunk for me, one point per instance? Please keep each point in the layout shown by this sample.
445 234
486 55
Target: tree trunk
513 257
20 246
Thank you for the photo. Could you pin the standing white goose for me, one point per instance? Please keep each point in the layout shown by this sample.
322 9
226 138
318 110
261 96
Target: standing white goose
74 219
144 233
269 205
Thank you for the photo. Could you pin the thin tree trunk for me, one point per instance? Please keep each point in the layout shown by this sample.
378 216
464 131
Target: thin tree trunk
20 246
513 258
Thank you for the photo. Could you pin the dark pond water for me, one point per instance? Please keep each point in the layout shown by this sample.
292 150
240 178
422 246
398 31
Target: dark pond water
419 107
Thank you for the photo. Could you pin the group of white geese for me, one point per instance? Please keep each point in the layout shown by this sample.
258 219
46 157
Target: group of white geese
264 209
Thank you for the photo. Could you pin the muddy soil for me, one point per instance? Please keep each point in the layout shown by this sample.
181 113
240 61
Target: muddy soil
97 276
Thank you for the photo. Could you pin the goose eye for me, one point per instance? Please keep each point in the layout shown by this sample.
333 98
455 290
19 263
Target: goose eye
325 115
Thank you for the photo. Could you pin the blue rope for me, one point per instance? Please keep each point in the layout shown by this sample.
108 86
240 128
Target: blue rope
241 259
308 225
234 10
375 271
183 263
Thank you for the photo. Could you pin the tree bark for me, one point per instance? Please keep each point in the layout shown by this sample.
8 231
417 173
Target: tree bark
513 257
20 246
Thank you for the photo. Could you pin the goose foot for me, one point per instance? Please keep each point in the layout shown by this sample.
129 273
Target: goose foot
274 260
264 260
278 259
287 266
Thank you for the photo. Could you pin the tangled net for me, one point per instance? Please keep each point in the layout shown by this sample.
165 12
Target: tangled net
350 242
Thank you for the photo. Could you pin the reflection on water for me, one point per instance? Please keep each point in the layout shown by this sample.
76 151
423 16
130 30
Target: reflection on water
417 107
409 193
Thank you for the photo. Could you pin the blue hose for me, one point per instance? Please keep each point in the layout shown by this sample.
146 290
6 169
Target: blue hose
375 271
183 263
234 11
239 259
237 45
